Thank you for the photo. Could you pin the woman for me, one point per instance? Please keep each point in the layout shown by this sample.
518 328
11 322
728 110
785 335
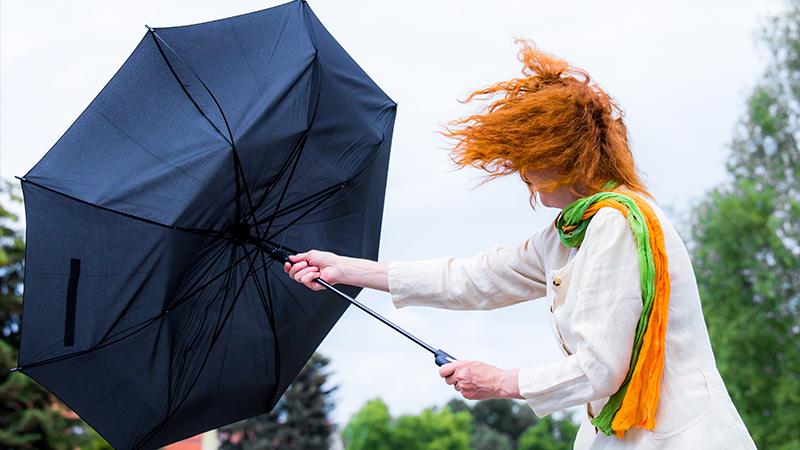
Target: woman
623 298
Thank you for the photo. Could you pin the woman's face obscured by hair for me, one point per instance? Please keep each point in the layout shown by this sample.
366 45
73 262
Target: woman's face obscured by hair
559 198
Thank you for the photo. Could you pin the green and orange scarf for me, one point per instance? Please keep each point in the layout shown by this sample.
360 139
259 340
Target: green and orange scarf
635 402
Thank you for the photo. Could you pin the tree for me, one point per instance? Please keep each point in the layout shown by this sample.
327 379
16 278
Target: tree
433 430
373 428
370 428
495 424
298 421
30 416
509 417
745 247
487 438
549 434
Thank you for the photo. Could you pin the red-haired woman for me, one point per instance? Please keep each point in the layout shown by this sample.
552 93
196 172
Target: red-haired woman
615 273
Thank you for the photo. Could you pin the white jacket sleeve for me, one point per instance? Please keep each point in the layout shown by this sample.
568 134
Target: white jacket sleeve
603 322
493 278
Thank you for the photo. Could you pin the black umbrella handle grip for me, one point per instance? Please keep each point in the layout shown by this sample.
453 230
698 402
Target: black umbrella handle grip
441 357
279 254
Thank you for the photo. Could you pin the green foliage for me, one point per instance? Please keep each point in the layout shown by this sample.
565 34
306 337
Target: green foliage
746 250
549 434
505 416
298 421
370 428
489 425
486 438
433 430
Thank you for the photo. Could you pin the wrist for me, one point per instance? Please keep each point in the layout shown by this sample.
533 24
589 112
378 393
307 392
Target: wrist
346 270
508 387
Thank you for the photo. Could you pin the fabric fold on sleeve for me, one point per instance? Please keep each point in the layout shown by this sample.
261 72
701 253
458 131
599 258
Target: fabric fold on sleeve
549 388
415 282
499 276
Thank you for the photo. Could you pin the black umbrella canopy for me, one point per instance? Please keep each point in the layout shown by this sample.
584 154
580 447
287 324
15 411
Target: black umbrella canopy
152 307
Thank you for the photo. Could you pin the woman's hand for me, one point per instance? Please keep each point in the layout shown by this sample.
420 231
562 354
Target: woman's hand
308 266
480 381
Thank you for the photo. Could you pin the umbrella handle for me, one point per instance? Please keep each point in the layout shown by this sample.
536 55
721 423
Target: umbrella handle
441 357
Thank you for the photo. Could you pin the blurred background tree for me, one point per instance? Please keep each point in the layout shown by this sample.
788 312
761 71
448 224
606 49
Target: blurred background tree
549 434
30 417
746 249
496 424
298 421
434 429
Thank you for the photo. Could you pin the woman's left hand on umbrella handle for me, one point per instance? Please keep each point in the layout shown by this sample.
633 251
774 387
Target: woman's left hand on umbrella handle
480 381
306 267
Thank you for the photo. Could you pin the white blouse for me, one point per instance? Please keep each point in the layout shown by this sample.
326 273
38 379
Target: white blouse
595 301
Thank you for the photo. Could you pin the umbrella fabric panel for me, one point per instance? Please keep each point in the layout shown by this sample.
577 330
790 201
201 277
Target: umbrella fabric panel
167 366
262 84
143 148
344 121
129 271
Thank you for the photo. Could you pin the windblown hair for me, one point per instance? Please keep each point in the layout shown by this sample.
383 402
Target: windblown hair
554 119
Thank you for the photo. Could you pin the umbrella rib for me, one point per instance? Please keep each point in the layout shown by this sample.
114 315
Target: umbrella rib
237 163
283 192
214 339
266 303
298 147
222 289
157 38
238 187
205 232
120 335
205 252
306 212
303 202
296 204
301 144
131 330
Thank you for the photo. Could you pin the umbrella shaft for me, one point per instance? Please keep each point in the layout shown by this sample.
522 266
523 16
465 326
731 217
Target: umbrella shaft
376 315
441 357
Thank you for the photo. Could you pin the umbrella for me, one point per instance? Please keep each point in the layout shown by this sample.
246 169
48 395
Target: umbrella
155 303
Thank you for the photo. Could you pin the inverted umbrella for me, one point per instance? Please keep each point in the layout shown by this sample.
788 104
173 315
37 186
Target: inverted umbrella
155 303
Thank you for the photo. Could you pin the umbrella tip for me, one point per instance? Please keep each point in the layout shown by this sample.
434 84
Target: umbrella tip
148 27
14 369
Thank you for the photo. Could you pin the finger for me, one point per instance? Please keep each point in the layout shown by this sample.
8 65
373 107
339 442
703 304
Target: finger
301 273
309 277
447 369
450 380
297 267
286 266
298 257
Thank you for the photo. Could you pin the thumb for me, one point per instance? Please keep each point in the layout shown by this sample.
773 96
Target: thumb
447 369
298 257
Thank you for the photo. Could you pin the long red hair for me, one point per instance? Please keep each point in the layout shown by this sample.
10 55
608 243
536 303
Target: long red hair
554 118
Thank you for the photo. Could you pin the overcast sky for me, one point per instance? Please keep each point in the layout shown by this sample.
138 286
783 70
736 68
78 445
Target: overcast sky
681 70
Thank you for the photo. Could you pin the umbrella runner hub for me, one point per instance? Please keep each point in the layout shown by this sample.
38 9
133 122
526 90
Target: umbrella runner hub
240 232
